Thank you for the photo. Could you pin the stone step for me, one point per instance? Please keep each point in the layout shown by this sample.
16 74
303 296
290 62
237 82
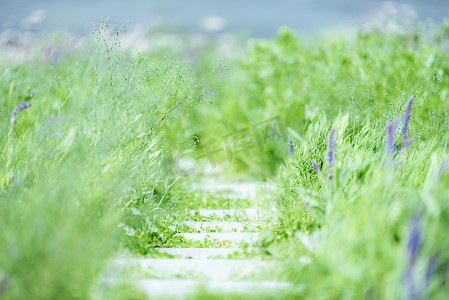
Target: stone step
199 252
248 213
220 236
224 226
214 269
247 190
182 288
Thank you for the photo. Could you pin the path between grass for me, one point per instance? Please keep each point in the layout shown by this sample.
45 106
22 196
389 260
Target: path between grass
221 266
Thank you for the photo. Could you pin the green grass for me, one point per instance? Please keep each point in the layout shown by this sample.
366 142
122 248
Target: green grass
86 171
76 163
361 222
296 80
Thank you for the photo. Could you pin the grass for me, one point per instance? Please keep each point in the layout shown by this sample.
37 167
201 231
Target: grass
77 162
87 170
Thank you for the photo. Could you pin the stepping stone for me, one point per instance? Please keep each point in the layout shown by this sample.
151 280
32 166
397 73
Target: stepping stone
199 252
236 190
250 213
218 269
198 269
181 288
224 226
220 236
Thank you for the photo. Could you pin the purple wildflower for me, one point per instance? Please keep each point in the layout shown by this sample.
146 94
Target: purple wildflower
409 282
413 249
316 166
413 243
47 52
330 154
291 149
391 145
357 116
405 129
56 56
431 266
21 107
307 206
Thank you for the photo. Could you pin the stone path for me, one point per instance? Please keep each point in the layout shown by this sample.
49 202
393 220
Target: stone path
211 270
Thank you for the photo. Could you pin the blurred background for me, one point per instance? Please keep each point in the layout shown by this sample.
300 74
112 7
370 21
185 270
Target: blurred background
248 18
215 38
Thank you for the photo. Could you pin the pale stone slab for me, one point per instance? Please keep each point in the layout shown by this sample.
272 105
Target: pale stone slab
218 269
220 236
250 213
199 252
224 226
247 190
182 288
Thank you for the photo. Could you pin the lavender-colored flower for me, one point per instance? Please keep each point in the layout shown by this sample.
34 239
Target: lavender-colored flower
291 149
47 52
56 56
431 266
357 116
391 145
410 287
307 206
330 154
414 239
21 107
405 129
316 166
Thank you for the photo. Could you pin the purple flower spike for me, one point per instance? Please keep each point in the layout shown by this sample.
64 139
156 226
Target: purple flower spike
21 107
307 207
292 149
316 167
391 145
47 52
330 154
410 286
432 265
57 56
413 243
407 116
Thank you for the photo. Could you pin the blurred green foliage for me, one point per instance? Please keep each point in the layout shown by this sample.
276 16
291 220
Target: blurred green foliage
73 163
296 80
87 168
